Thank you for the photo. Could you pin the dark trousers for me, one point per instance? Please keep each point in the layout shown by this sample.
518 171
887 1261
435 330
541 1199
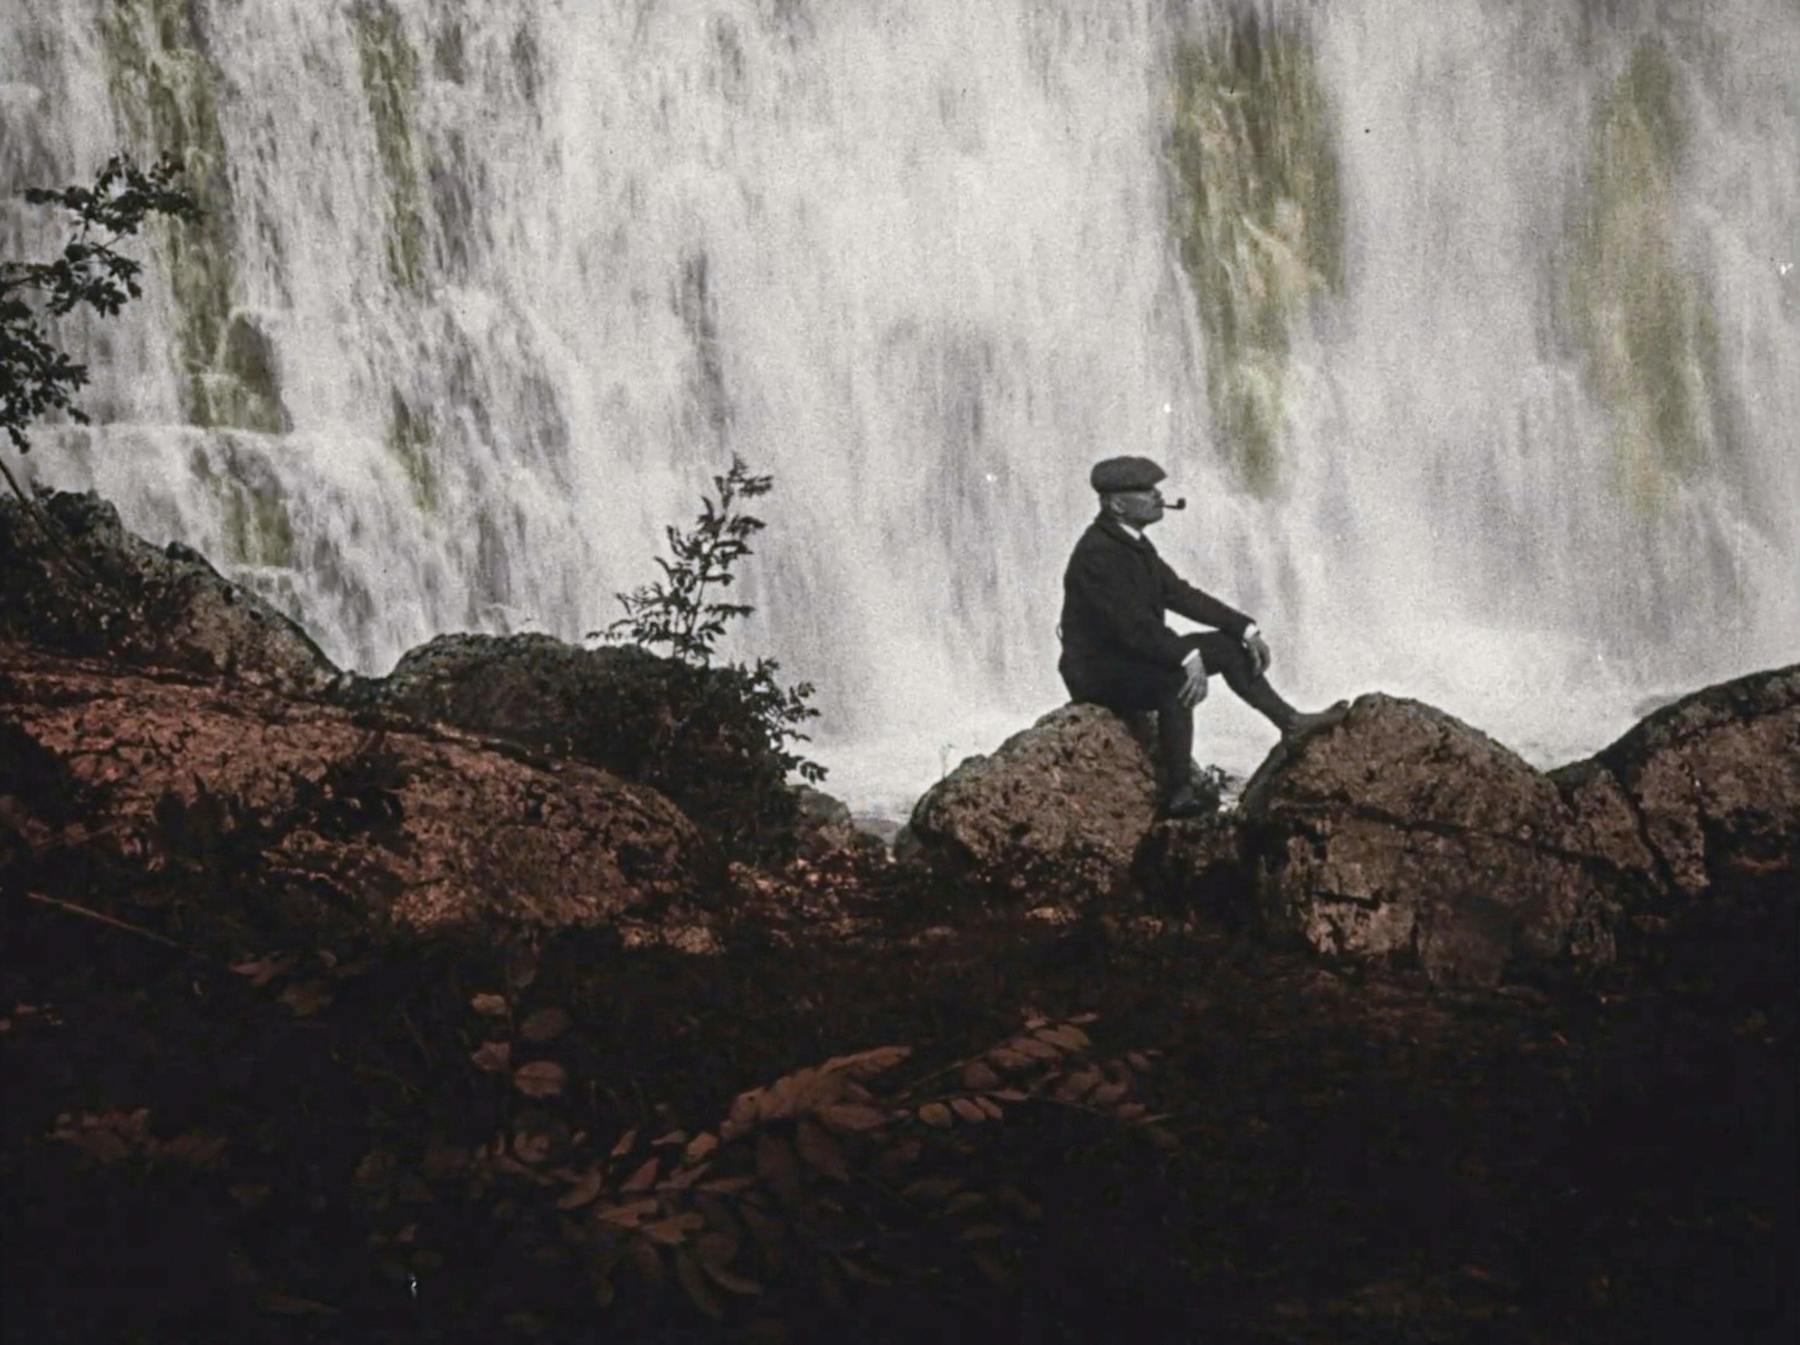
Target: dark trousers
1129 686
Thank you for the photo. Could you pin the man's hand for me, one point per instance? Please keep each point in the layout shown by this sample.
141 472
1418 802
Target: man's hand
1258 651
1193 690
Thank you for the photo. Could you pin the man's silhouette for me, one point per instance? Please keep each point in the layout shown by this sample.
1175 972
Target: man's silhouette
1118 653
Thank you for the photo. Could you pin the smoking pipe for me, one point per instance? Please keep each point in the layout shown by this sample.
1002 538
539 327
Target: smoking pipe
1176 504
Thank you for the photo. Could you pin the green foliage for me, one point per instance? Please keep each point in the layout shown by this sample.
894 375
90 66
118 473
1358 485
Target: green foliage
36 376
676 614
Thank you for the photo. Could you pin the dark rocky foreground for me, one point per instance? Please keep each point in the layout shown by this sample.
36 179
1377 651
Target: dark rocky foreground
427 1010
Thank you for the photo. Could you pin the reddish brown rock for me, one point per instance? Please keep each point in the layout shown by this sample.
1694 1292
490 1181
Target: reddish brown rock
249 807
96 590
1401 836
1715 779
1054 815
1194 865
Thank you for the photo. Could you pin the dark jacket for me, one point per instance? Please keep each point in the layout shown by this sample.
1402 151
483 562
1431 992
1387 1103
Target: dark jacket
1115 592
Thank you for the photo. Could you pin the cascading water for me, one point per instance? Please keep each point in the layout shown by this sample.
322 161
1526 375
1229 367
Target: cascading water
1471 329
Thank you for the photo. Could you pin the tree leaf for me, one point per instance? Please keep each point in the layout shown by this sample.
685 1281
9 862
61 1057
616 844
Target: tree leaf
541 1078
745 1109
286 1305
856 1270
306 998
1107 1094
492 1057
264 969
730 1280
532 1146
717 1248
1032 1047
728 1185
545 1025
977 1074
767 1231
1007 1058
699 1147
1067 1036
587 1188
673 1231
932 1189
851 1116
981 1233
1078 1084
819 1149
935 1114
699 1292
968 1110
684 1176
1139 1061
776 1165
626 1143
627 1215
644 1178
489 1004
993 1109
521 967
867 1064
646 1260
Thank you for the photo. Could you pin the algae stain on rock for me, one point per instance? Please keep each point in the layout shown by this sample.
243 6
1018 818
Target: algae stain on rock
166 87
1644 323
390 80
410 440
258 528
1256 208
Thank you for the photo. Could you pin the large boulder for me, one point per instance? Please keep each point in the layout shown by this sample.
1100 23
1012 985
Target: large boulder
72 579
686 732
1055 815
261 815
1402 837
1713 781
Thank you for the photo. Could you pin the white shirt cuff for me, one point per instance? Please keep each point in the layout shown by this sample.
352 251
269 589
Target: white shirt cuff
1192 658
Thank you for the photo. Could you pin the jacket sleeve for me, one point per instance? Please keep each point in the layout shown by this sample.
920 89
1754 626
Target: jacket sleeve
1106 590
1180 596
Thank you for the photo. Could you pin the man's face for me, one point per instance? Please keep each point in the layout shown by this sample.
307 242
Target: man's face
1139 508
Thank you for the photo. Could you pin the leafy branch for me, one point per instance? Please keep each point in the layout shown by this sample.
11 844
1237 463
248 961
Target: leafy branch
677 614
36 376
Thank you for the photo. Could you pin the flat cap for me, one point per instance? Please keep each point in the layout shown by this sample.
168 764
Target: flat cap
1125 474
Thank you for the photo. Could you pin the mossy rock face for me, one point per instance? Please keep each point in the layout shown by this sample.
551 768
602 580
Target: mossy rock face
96 590
165 87
258 528
390 80
410 439
1257 212
684 731
1643 322
244 391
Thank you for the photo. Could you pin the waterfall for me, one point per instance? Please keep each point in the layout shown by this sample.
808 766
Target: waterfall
1470 330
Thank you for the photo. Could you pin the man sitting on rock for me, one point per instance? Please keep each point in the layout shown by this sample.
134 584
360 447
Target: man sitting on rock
1118 653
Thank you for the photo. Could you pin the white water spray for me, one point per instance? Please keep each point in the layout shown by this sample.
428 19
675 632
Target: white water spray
500 285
